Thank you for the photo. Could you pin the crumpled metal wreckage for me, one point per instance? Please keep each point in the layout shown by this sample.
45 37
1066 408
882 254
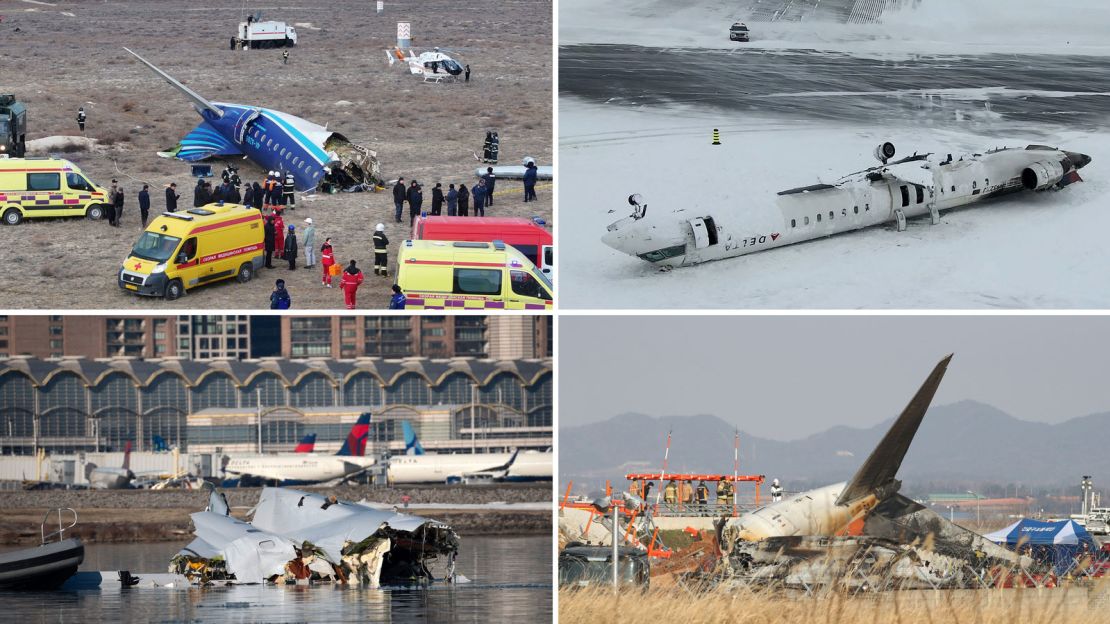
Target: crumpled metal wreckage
299 536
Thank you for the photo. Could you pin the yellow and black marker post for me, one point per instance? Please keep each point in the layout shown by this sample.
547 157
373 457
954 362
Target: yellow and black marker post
716 137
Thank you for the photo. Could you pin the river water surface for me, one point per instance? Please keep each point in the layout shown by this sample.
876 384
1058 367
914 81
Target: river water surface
510 582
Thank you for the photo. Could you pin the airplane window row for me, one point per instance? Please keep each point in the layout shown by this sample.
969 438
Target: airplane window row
269 143
974 185
855 210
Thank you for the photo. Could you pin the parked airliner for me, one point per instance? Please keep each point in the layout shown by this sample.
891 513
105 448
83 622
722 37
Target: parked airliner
111 478
422 467
303 468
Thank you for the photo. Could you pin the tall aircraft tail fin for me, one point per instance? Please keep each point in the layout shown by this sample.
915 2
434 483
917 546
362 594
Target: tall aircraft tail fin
509 464
883 463
308 443
127 456
412 443
198 102
355 445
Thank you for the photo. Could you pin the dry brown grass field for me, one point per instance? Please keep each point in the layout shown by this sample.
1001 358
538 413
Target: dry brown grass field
69 54
1070 605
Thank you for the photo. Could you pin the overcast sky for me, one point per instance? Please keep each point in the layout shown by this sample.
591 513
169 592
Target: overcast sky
787 377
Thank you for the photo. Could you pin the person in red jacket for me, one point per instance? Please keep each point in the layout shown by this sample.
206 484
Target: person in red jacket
327 258
352 277
279 234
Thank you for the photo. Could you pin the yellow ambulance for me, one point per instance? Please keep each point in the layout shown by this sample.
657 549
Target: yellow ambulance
182 250
47 187
452 275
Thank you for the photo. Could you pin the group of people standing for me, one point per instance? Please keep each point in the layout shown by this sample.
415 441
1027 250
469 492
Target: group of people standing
276 192
114 209
452 202
281 241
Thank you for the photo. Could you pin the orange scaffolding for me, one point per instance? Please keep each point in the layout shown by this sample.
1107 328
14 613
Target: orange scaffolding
641 479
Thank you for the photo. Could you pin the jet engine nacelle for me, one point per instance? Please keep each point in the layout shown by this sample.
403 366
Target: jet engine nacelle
1042 175
884 152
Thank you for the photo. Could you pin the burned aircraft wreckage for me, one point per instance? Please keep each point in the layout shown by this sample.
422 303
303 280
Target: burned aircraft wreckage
857 535
863 530
299 536
275 141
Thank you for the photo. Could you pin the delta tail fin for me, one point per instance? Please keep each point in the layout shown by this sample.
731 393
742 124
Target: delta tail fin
355 444
199 102
883 463
412 443
127 456
307 445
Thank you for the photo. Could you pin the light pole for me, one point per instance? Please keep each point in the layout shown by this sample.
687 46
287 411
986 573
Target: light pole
1087 486
978 518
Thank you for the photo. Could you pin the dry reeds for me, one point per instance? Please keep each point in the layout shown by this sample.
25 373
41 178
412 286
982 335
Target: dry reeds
1078 604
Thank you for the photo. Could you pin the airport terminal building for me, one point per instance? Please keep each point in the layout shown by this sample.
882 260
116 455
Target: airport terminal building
78 405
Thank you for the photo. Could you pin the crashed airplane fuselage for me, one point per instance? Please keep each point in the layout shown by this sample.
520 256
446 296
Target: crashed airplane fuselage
299 536
916 186
867 505
273 140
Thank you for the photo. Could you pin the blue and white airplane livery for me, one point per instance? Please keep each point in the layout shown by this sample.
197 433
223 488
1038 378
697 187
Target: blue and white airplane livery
416 466
273 140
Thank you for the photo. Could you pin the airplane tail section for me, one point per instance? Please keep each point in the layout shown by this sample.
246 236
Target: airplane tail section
127 456
412 443
308 443
882 465
204 142
198 102
355 445
505 467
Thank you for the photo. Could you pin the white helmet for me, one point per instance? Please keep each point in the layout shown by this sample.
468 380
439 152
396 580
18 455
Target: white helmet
775 482
380 227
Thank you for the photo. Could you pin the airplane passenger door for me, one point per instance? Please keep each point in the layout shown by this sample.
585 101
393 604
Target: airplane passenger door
248 116
704 235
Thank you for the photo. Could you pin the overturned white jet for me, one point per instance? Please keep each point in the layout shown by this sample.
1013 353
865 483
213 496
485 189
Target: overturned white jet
915 186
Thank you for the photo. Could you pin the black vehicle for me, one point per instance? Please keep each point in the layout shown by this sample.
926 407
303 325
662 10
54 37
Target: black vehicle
738 32
13 127
582 565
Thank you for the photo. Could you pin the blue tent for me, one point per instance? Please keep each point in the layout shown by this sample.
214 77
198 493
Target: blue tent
1057 543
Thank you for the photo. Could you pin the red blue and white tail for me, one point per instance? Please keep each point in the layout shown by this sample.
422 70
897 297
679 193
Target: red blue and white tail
307 445
355 445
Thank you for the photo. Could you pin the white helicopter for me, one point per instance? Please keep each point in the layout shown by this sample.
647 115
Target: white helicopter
434 65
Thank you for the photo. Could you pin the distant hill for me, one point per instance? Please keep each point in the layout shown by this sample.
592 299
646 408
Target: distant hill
966 442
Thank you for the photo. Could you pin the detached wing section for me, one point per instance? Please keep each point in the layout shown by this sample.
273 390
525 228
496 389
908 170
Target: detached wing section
205 142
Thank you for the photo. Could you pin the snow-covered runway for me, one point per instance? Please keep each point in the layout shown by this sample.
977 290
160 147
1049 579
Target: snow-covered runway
1046 250
643 83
